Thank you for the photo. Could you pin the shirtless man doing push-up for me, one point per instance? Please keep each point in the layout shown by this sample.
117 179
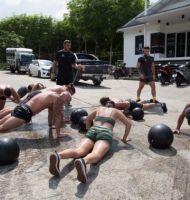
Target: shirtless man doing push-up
32 105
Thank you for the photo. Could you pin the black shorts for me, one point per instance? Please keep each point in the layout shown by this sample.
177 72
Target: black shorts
3 98
146 80
134 104
22 112
64 79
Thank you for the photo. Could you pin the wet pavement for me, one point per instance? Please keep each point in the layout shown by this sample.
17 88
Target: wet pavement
129 172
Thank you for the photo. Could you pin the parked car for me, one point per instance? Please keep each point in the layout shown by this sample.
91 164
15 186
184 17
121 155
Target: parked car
40 68
95 69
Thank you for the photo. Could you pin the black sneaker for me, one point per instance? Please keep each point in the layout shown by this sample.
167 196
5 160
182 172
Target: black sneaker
54 161
153 101
138 100
81 170
164 107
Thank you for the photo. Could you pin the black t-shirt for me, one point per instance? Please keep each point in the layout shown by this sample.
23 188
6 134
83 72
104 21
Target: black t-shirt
146 65
65 61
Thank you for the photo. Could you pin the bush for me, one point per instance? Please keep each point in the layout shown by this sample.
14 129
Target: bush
3 66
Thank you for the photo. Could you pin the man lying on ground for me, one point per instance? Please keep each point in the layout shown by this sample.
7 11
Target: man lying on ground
34 104
6 91
22 91
129 105
57 89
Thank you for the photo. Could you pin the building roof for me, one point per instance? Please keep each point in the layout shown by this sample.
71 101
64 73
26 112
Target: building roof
160 7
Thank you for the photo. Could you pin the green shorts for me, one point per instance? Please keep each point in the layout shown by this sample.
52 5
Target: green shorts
96 133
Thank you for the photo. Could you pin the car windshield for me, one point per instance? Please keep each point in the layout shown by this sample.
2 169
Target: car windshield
45 62
85 56
26 58
90 62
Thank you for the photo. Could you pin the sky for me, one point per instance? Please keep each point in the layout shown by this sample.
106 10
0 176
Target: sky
53 8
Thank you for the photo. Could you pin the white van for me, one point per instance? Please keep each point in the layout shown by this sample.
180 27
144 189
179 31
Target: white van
19 59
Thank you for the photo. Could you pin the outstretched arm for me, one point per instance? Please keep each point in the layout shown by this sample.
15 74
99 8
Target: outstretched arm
89 119
180 120
127 123
14 97
58 115
50 116
54 66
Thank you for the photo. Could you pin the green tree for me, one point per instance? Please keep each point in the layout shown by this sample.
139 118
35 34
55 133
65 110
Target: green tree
9 39
98 20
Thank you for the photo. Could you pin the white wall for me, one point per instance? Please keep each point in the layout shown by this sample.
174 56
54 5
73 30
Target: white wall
129 56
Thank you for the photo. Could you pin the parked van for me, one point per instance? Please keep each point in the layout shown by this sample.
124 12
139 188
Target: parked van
19 59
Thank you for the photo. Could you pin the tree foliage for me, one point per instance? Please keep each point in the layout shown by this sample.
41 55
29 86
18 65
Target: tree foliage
91 26
9 39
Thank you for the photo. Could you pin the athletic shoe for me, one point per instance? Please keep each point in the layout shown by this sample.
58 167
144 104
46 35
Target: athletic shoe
81 170
164 107
153 101
137 100
54 161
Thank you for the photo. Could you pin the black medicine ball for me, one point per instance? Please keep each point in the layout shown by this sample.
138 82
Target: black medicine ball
77 114
137 113
160 136
9 151
22 91
82 124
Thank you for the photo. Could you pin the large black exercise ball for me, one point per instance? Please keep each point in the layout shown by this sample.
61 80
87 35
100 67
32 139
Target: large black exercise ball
22 91
160 136
137 113
82 124
9 151
77 114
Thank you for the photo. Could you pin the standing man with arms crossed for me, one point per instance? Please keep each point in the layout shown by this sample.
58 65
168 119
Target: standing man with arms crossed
63 64
146 69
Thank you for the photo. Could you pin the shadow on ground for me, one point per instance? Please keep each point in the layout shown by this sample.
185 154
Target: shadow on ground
164 152
90 86
92 173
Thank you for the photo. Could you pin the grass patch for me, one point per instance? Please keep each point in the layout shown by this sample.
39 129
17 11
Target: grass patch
3 66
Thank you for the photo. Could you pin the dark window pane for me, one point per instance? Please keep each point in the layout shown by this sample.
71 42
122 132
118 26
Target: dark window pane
180 45
139 44
188 44
157 43
170 45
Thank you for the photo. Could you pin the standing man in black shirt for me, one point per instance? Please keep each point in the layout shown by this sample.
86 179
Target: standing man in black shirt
146 69
63 64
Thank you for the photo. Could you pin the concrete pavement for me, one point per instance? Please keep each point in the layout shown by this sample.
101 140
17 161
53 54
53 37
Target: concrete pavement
129 172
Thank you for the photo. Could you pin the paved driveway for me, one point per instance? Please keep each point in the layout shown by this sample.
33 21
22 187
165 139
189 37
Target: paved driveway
133 171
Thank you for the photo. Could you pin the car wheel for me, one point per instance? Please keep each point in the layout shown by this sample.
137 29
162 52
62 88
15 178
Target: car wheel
96 82
29 73
39 74
12 69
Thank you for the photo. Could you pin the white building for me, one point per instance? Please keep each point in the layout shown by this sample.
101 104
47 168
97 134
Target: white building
164 27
